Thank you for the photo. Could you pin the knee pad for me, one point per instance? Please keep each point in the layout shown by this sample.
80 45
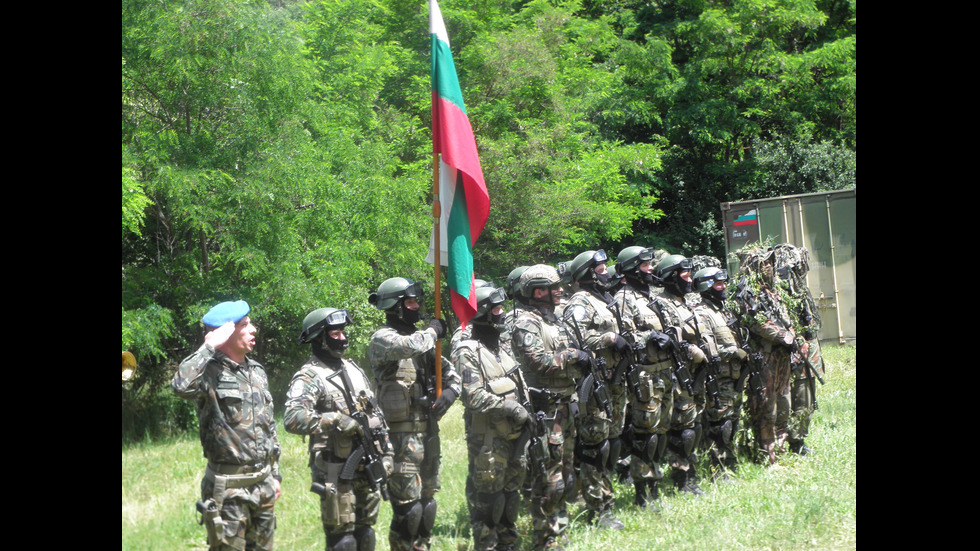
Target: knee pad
688 440
495 507
429 507
726 430
512 506
698 432
343 542
596 455
365 538
615 447
406 519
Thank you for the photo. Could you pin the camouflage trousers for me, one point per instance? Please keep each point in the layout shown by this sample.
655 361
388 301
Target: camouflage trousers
250 521
547 501
797 406
767 425
598 450
346 505
684 415
415 476
493 483
652 401
719 411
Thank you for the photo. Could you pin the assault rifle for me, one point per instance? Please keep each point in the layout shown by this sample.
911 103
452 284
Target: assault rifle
594 384
535 433
752 371
682 371
367 444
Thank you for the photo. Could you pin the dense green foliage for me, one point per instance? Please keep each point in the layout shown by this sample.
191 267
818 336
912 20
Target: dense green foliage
279 150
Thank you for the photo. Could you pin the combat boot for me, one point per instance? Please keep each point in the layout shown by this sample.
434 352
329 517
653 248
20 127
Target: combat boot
643 500
685 482
605 520
798 447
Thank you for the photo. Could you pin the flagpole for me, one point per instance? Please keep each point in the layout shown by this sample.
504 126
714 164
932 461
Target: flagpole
436 216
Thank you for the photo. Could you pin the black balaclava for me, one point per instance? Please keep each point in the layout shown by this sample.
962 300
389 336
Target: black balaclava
328 349
403 319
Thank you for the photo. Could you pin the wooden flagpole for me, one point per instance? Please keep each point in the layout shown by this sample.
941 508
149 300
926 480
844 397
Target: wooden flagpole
436 215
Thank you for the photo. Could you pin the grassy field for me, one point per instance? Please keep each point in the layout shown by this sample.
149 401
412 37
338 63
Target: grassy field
802 503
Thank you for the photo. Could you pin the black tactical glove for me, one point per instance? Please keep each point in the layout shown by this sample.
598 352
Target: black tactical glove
438 326
659 339
619 344
443 402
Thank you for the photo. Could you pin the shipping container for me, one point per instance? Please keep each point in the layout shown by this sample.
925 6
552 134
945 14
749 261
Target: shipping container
826 224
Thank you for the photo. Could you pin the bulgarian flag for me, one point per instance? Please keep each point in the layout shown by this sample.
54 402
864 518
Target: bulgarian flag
463 197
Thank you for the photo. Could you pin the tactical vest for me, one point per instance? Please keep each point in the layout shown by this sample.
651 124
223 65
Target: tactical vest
497 382
654 359
403 398
333 400
553 338
722 341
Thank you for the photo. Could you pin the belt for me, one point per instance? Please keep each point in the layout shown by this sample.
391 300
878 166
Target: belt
230 469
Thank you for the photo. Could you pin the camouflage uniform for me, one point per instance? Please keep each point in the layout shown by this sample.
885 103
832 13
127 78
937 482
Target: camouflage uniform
598 444
772 338
542 348
496 468
317 402
685 423
238 434
723 398
404 366
650 391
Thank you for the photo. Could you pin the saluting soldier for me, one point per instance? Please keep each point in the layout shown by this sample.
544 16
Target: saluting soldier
237 429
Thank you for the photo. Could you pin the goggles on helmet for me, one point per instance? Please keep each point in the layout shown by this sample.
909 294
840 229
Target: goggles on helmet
337 317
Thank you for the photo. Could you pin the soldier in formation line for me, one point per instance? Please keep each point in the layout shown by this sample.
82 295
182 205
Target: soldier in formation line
641 367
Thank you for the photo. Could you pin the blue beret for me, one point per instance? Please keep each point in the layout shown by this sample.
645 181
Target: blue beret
225 312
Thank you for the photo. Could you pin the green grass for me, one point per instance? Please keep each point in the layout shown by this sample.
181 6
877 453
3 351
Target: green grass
800 503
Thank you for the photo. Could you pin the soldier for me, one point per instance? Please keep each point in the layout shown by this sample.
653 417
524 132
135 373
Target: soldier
650 385
771 334
403 359
552 367
792 264
462 333
237 429
330 399
493 394
678 321
726 358
600 427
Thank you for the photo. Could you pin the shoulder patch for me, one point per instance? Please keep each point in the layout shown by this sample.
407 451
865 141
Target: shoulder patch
297 389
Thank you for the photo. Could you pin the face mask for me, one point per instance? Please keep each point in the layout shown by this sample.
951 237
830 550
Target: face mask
410 316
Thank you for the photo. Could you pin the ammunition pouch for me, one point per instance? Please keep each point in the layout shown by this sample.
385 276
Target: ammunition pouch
226 477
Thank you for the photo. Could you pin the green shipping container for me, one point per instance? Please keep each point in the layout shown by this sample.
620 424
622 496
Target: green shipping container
826 224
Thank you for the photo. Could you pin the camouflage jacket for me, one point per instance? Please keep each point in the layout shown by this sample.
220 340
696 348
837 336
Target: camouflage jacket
489 378
318 398
234 408
539 341
641 321
716 331
404 368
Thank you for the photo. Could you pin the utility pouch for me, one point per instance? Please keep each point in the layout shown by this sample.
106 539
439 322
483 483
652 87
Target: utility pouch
213 523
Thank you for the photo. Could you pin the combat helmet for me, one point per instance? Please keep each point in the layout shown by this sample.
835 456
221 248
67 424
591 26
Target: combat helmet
584 262
630 258
671 264
392 291
323 318
539 276
486 299
705 278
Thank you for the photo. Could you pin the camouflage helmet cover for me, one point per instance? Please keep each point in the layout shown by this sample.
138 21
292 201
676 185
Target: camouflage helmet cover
537 277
